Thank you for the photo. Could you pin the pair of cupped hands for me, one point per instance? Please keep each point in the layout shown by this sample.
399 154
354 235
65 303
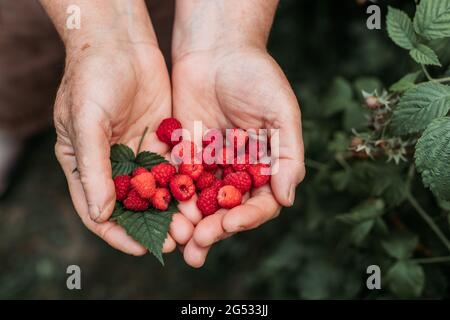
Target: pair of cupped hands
113 89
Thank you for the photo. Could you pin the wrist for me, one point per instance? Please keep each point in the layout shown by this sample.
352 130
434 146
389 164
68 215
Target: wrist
102 23
207 25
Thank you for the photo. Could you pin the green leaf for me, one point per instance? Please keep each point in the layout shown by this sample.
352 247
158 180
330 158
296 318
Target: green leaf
424 55
338 97
419 106
118 210
122 160
148 159
405 83
121 152
400 28
433 157
400 245
360 232
432 19
367 211
406 279
149 228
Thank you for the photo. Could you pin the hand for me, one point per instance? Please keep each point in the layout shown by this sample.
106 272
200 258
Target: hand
238 87
110 92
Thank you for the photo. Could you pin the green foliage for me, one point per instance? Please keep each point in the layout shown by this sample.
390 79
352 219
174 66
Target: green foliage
433 18
150 227
406 82
419 106
406 279
423 54
400 29
433 157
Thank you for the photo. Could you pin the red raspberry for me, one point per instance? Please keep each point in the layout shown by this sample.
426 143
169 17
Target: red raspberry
161 199
241 180
135 203
258 177
241 162
144 184
217 184
138 171
212 135
229 197
165 130
163 172
122 184
207 201
182 187
192 170
179 155
236 138
227 171
205 180
209 160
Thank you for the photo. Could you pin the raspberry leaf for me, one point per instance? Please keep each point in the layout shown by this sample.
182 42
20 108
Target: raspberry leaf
419 106
405 83
406 279
118 210
433 156
122 160
400 29
423 54
148 159
432 19
149 228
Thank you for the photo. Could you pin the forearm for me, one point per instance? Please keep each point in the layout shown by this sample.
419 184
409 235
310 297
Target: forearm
102 21
207 24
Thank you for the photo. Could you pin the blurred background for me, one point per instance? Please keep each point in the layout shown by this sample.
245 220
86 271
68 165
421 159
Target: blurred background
301 254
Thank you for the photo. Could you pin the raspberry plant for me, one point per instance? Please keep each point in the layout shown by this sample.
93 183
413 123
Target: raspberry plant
393 153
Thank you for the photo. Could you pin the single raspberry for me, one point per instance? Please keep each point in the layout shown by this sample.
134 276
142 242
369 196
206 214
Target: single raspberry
138 171
241 162
227 171
209 160
205 180
217 184
144 184
161 198
258 178
135 203
229 197
122 184
163 172
165 130
182 187
240 180
192 170
207 201
236 138
184 151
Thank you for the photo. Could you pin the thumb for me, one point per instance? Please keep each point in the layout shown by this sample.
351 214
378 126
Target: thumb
91 145
289 168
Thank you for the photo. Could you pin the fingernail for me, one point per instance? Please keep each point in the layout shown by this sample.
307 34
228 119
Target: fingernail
291 197
94 212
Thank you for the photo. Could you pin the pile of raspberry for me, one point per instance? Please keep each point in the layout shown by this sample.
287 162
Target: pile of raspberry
219 183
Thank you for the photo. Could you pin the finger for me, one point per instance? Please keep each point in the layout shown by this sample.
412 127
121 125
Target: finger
181 229
113 234
91 145
189 210
261 207
195 255
289 169
210 230
169 244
